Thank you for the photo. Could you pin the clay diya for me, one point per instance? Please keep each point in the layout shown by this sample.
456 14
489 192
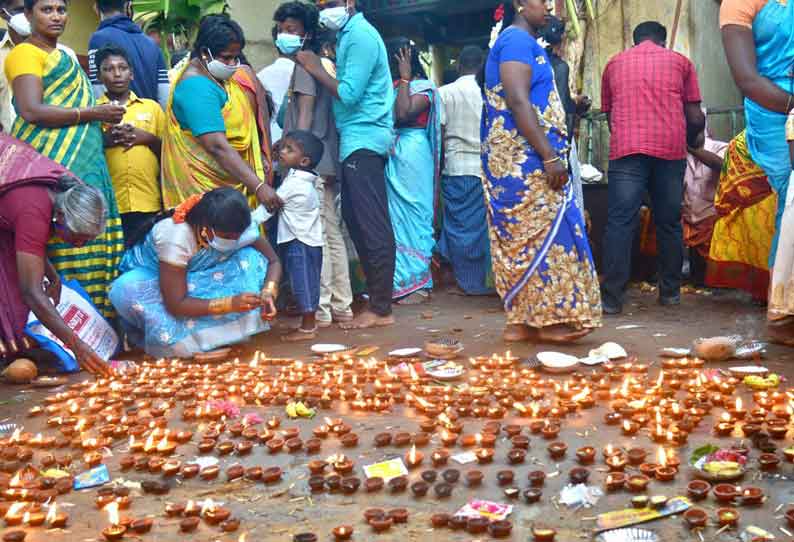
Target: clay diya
637 483
695 518
420 488
532 495
727 517
768 461
543 534
636 456
474 478
752 496
477 525
725 492
442 490
398 484
697 490
342 532
585 455
451 475
615 481
439 457
371 485
579 475
505 477
536 478
557 450
441 520
500 529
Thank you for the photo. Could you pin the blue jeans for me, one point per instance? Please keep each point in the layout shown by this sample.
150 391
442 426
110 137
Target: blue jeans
629 178
304 265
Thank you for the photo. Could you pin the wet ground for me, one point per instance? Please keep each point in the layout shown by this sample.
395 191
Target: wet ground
277 512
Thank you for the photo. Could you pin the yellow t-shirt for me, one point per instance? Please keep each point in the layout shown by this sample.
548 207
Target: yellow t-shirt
136 172
26 59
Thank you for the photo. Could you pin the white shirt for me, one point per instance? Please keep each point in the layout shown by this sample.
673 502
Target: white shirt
276 79
462 101
299 218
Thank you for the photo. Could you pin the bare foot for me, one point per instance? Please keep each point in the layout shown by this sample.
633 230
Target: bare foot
561 334
416 298
368 319
457 290
515 333
300 335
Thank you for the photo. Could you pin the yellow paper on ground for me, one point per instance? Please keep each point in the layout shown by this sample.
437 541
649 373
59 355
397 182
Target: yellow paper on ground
386 469
55 473
633 516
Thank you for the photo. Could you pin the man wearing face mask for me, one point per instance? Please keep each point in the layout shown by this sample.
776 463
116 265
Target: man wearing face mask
363 102
150 75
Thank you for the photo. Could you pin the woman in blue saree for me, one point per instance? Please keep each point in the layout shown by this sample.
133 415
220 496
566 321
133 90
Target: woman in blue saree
758 36
412 173
200 278
543 267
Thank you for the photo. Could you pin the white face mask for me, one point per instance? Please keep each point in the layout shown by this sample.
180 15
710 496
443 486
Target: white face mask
19 24
222 245
334 19
220 70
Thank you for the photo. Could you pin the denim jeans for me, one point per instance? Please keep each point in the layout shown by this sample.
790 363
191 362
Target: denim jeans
303 264
629 178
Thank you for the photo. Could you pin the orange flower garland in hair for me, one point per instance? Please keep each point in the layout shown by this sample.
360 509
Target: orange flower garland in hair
182 210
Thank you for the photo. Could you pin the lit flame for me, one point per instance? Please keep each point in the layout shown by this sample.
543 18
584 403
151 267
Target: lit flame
738 403
609 449
15 509
26 518
661 457
51 514
581 395
113 513
163 444
726 417
149 443
16 481
15 436
242 538
208 506
520 407
190 506
478 438
626 425
660 379
412 454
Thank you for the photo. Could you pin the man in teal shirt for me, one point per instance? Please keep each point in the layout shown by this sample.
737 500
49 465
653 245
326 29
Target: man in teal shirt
363 104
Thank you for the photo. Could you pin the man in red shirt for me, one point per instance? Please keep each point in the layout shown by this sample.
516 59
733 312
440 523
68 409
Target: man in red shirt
652 99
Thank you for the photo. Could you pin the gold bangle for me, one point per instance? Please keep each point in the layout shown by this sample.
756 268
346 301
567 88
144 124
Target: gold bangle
788 103
256 191
790 127
221 305
551 160
78 115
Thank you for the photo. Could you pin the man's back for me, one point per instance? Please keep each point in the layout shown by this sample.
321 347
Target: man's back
146 60
364 109
461 118
644 89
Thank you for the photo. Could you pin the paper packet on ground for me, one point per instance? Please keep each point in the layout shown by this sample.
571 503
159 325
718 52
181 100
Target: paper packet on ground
491 510
633 516
386 469
84 319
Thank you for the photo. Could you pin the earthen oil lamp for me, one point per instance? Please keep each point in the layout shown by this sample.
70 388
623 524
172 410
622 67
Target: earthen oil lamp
697 490
636 456
727 517
664 472
271 475
616 462
637 483
383 439
557 449
768 461
33 519
725 493
550 431
737 412
585 455
615 481
115 531
189 524
695 518
484 455
543 534
439 457
752 496
15 514
516 456
56 519
629 428
275 444
343 532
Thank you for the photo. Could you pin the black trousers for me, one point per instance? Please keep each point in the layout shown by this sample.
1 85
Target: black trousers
365 209
629 179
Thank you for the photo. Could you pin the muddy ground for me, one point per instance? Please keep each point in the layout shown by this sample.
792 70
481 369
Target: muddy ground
277 512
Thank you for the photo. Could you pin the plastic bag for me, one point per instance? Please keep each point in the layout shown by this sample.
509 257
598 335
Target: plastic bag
84 319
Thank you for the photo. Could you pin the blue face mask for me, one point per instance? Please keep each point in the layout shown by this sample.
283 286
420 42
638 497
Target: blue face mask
289 44
224 246
334 19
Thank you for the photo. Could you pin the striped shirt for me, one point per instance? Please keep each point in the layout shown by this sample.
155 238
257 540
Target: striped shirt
644 89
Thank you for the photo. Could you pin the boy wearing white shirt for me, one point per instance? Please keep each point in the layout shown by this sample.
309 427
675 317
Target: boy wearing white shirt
300 228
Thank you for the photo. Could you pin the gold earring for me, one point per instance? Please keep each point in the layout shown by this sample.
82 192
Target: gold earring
520 9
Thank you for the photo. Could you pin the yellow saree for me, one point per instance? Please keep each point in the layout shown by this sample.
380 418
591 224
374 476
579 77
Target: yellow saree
187 168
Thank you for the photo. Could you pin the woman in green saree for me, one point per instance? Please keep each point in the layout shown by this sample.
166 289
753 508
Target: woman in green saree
57 115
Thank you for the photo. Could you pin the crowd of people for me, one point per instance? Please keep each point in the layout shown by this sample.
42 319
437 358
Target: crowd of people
174 196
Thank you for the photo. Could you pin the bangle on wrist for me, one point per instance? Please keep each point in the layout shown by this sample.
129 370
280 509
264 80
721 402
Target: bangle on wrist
78 115
551 160
221 305
260 185
788 103
406 81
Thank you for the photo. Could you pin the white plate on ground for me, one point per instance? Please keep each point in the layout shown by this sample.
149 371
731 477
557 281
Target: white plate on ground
405 352
675 352
326 348
443 370
557 362
749 370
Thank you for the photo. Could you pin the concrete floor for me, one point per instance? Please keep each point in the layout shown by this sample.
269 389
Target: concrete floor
277 512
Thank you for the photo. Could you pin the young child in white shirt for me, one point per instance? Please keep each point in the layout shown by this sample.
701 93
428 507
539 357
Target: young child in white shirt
300 228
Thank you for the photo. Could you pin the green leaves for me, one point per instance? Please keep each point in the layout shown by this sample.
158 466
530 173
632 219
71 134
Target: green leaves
176 16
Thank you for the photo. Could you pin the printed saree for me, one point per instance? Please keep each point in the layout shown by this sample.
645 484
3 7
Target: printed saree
742 238
543 267
188 168
80 149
